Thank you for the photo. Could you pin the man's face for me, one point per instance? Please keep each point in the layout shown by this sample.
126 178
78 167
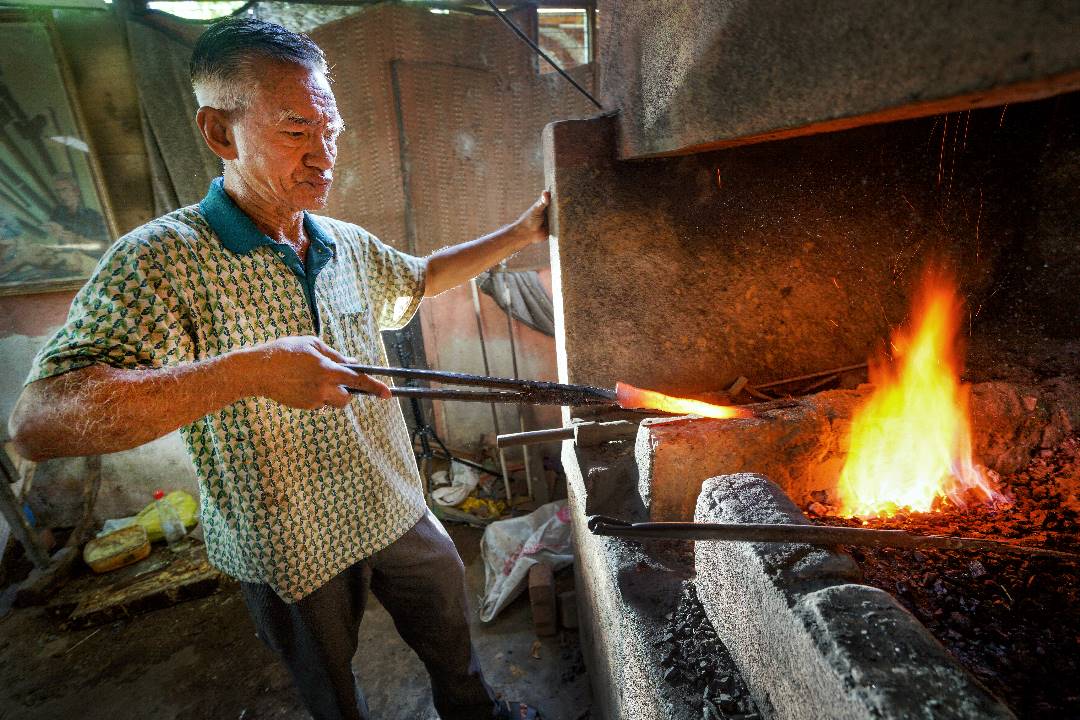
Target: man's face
286 139
68 193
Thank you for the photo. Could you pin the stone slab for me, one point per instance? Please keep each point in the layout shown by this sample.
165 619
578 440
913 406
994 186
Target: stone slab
809 641
702 74
802 448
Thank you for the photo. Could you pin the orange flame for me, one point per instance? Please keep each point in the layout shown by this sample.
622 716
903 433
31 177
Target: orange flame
911 441
632 398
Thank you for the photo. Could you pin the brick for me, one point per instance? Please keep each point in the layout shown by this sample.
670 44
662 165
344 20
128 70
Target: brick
542 599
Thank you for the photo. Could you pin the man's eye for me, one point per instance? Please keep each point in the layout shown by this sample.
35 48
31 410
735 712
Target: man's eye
295 134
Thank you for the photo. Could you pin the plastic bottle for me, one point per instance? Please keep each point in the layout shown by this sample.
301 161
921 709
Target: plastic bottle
171 526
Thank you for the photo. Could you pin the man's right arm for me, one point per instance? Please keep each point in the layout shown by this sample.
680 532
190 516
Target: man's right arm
101 409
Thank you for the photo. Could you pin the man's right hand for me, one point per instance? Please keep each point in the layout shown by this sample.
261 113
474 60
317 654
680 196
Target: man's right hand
306 373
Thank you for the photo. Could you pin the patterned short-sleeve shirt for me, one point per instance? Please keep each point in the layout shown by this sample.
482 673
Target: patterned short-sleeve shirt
287 497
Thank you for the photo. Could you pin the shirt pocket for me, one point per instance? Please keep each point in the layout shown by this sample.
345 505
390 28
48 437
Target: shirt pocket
351 328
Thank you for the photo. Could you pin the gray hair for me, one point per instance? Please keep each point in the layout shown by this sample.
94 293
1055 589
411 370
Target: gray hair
223 60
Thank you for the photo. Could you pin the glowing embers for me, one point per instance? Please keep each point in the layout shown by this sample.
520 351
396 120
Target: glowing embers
632 398
911 442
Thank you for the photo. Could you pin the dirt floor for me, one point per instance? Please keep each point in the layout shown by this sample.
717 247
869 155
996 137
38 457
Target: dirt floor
201 659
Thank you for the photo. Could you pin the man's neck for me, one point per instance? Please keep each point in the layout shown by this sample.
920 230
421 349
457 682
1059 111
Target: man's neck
279 224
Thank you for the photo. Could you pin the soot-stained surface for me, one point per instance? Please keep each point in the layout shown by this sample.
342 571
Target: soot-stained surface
697 663
1012 622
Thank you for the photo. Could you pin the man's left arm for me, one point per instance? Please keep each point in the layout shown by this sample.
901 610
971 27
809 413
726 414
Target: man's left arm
451 266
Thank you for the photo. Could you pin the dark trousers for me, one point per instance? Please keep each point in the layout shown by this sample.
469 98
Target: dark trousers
420 580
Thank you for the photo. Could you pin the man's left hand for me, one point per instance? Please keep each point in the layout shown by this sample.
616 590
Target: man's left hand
533 223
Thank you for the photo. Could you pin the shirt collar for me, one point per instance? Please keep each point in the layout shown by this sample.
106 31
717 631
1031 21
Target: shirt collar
238 232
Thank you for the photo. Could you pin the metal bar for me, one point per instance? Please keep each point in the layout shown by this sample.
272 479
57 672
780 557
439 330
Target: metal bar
501 279
812 535
532 437
536 48
487 396
809 376
487 371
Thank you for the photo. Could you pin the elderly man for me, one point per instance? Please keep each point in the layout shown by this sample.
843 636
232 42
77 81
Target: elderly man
232 321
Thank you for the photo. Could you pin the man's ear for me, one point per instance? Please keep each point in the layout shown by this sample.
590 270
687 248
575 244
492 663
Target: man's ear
217 131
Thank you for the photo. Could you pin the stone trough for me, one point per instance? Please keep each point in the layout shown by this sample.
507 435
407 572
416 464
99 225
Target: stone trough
810 641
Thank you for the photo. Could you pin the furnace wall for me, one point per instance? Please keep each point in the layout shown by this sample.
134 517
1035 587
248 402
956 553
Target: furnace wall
778 259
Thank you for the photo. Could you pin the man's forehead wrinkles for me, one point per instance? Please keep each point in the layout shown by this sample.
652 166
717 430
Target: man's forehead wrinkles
331 118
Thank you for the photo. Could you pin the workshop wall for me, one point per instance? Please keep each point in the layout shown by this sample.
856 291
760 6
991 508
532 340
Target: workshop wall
444 117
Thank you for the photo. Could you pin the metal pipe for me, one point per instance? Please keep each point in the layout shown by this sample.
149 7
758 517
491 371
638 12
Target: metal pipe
812 535
501 276
532 437
487 371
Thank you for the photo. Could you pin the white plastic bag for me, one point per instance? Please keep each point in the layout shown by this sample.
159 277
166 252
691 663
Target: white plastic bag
464 481
511 547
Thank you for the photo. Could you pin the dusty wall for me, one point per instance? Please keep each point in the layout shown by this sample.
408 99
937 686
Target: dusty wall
698 74
444 116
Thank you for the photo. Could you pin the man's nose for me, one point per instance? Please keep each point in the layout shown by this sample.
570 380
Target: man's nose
322 155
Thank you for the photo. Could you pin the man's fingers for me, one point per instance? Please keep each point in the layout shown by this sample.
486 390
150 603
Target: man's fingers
368 384
330 352
339 397
545 199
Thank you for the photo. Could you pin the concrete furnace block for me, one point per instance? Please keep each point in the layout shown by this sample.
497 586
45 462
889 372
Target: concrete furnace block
802 447
622 596
700 74
808 641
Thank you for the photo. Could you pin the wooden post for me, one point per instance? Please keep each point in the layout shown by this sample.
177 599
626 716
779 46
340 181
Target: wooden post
13 514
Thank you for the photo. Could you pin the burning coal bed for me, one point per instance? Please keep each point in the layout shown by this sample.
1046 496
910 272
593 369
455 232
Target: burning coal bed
1013 623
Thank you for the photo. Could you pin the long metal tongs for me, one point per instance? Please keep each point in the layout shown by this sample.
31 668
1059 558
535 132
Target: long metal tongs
811 535
508 390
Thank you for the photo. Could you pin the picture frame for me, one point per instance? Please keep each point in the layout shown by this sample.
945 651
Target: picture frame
55 216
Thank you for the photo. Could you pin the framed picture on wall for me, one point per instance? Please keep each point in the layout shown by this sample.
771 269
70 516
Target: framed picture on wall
55 220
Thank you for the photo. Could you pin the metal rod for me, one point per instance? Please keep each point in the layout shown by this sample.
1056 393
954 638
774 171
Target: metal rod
487 371
536 48
486 396
811 534
505 286
532 437
601 395
809 376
